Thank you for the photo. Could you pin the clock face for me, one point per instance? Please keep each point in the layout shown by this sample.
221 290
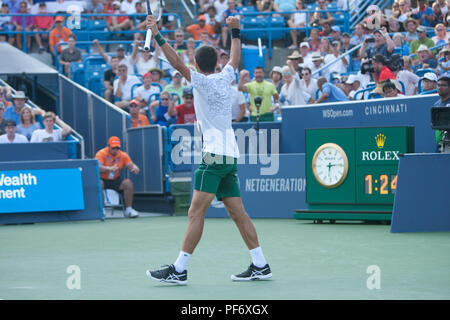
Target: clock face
330 165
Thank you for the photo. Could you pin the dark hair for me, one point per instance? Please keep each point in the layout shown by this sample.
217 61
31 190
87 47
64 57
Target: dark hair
206 58
380 59
389 85
258 67
74 37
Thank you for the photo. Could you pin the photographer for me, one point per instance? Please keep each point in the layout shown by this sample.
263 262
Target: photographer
380 43
381 72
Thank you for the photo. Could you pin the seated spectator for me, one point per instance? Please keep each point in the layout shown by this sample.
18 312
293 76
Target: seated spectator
128 6
425 59
326 30
265 5
44 24
392 89
359 34
423 13
144 60
264 89
5 95
411 26
405 13
382 44
197 29
401 47
49 134
284 5
18 21
185 112
325 47
179 44
441 36
221 6
13 112
444 65
58 34
176 86
422 39
276 76
438 16
140 20
340 66
2 120
157 75
238 104
120 53
70 54
159 110
297 20
119 23
230 11
108 78
305 55
353 84
212 18
111 161
309 84
94 6
11 136
444 6
409 78
122 86
137 118
224 57
429 82
28 124
6 25
329 92
146 91
205 39
314 40
393 22
335 34
324 17
292 90
317 63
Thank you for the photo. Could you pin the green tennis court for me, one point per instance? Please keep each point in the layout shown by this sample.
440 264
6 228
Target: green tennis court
308 261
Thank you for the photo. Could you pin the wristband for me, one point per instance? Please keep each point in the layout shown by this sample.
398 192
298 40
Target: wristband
160 39
235 33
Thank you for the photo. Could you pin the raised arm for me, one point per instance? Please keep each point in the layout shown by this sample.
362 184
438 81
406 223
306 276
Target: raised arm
235 52
169 52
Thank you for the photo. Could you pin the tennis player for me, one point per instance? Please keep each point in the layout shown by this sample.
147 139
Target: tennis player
217 174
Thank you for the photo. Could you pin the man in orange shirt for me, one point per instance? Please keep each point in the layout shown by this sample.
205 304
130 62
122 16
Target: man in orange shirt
197 29
111 160
137 119
58 34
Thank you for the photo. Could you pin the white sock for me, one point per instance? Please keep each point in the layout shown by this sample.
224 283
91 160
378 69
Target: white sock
128 209
182 261
258 257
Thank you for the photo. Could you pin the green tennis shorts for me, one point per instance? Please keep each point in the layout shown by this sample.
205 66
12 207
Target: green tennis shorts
218 175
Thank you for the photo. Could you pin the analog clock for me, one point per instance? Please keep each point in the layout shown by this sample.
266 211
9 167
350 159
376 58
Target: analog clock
330 165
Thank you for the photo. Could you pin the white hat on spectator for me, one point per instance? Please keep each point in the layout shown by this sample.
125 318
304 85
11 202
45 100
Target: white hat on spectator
316 57
352 78
423 47
19 95
430 76
276 69
304 44
116 3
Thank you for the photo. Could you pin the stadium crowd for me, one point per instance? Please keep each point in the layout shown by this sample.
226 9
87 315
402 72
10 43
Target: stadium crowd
393 52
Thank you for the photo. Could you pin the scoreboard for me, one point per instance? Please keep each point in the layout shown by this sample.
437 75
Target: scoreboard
351 173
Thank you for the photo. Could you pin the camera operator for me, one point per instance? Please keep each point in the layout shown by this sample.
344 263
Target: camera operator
380 43
444 101
381 72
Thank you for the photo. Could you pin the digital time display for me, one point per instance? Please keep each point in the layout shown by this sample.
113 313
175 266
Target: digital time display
382 184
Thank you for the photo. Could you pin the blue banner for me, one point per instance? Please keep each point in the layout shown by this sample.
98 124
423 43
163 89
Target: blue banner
41 190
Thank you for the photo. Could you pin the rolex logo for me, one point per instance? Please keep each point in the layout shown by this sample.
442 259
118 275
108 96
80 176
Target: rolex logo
380 139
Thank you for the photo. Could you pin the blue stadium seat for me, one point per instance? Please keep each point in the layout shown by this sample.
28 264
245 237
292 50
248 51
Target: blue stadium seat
254 23
276 22
77 72
245 9
93 59
97 24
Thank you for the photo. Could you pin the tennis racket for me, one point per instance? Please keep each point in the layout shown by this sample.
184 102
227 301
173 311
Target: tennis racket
154 8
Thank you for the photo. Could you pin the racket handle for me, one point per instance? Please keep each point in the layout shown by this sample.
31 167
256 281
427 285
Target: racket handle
148 39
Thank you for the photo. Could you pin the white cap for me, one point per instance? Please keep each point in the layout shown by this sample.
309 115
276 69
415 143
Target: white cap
430 76
116 3
304 44
422 47
352 78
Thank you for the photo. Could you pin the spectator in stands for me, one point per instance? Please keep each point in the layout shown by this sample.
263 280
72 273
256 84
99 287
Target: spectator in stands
324 15
409 78
326 30
441 36
128 6
6 25
309 84
224 57
161 115
444 63
146 91
212 18
305 55
423 13
184 112
43 24
111 161
5 95
314 40
140 20
157 75
119 23
292 90
393 21
401 46
411 26
13 112
49 133
94 6
221 6
120 53
238 104
353 84
58 34
205 39
438 16
18 22
179 44
443 91
108 78
429 82
276 76
122 86
137 119
317 63
329 92
325 46
284 6
143 59
265 90
392 89
382 72
13 5
230 11
265 5
359 35
335 33
197 29
422 39
11 136
2 120
28 124
189 58
297 20
176 86
382 44
70 54
339 66
425 59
